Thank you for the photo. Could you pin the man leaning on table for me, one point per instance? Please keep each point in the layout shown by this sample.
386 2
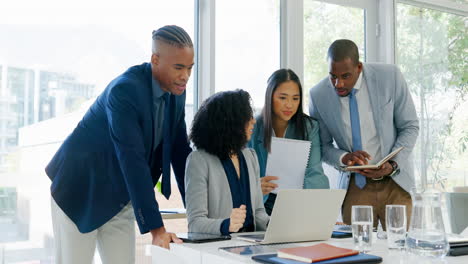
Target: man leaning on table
103 175
367 110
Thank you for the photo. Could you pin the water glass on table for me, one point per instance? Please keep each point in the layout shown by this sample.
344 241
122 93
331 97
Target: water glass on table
396 226
362 223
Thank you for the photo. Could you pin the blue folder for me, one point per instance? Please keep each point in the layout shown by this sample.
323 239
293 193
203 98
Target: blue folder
360 258
338 234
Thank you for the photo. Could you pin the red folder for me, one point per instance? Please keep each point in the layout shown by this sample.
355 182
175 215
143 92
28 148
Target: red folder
315 253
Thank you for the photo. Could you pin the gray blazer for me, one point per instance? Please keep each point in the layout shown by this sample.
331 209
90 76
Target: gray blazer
394 116
208 196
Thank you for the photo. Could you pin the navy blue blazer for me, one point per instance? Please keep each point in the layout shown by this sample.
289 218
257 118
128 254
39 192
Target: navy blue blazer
108 159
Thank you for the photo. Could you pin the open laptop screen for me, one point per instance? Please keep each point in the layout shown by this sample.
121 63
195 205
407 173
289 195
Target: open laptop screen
302 215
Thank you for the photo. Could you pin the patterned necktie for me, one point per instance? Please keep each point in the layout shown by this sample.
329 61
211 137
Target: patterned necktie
359 179
166 155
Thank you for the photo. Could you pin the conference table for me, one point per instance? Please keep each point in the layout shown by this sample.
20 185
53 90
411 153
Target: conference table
173 213
210 253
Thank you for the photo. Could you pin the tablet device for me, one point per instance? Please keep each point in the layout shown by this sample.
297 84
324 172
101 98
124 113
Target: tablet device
192 237
253 249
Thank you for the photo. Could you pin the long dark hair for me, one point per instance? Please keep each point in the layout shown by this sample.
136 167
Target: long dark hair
219 125
276 79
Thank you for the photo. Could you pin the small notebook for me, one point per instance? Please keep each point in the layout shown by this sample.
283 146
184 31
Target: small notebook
343 228
458 238
374 166
315 253
288 160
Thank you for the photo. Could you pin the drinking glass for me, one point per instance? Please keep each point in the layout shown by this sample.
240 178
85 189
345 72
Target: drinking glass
362 222
396 226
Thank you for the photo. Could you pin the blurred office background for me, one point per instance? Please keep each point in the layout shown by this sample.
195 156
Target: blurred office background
57 56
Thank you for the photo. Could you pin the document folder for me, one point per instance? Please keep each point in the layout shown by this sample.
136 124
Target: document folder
360 258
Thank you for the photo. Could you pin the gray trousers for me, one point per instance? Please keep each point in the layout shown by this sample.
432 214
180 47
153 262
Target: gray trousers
115 239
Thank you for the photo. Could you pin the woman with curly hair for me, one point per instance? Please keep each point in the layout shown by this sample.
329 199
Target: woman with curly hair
222 184
282 116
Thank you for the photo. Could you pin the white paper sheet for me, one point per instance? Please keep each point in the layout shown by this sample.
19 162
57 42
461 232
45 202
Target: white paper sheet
288 161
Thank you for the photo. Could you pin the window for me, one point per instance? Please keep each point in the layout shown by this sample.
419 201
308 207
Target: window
431 52
247 46
322 26
55 58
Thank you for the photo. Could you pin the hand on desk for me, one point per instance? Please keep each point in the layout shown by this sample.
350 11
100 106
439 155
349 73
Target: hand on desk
161 238
237 218
268 186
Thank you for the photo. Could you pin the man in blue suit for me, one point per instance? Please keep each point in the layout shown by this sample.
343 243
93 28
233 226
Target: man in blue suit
365 111
103 175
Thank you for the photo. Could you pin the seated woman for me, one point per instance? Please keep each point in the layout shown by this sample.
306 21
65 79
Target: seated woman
222 183
282 116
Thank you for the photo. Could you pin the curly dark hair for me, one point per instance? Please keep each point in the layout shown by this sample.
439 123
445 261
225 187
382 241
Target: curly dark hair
219 125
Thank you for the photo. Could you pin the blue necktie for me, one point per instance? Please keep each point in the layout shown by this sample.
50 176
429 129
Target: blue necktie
166 155
359 179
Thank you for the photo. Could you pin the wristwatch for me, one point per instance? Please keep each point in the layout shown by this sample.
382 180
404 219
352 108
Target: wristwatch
395 168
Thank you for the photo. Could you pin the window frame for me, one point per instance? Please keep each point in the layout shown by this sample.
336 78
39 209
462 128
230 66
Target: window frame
291 39
439 5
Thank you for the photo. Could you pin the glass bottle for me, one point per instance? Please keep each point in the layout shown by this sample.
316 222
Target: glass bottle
426 235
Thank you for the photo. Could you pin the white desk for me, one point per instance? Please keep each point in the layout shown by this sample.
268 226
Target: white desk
208 253
173 213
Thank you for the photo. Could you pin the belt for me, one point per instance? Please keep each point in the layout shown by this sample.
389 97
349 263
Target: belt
383 179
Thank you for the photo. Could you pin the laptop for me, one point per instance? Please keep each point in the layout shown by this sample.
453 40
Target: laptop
301 215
